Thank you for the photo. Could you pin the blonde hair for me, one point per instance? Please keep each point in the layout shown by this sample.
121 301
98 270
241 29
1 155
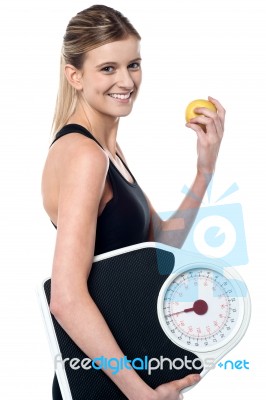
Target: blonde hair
89 29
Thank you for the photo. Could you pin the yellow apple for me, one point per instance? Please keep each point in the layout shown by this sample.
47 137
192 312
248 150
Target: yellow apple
198 103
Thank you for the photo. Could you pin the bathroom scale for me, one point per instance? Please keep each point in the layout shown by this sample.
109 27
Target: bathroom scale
173 313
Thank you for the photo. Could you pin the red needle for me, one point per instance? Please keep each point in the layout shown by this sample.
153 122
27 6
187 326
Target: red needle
200 307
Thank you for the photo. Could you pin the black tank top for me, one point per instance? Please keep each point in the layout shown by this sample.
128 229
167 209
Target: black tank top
125 219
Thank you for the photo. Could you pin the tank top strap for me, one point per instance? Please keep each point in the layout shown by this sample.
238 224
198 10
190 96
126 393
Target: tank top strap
74 128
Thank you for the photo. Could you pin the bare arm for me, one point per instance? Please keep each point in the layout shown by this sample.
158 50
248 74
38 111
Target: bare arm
81 172
175 230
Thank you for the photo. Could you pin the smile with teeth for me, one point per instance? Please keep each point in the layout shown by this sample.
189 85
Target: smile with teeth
120 96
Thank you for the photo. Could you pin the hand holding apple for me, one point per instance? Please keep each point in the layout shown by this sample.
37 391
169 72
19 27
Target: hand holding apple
206 118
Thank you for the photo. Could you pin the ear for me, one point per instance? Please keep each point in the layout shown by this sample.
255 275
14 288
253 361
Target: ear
73 76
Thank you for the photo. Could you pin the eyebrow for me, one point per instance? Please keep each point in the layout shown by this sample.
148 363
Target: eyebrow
115 63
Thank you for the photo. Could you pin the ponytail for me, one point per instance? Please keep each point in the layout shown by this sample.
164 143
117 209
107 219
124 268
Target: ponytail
66 100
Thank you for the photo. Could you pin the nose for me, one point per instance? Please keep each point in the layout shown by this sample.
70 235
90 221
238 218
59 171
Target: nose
125 79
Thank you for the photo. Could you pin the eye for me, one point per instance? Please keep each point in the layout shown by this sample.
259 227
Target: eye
108 69
134 66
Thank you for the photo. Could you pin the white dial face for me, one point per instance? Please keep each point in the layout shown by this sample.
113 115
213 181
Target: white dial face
200 308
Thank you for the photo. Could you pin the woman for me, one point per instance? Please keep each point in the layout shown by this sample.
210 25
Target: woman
88 190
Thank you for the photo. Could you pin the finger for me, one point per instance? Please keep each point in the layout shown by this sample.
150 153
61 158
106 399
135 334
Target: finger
202 119
181 396
187 381
220 109
213 124
218 116
205 111
217 104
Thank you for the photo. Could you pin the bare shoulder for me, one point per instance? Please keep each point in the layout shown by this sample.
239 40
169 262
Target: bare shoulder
74 162
74 155
73 151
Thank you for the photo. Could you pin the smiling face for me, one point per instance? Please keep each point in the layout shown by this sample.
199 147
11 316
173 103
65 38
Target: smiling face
111 77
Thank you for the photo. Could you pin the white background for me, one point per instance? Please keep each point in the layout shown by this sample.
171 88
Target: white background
190 49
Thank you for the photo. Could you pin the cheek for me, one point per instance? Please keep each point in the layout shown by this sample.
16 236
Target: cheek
94 85
102 84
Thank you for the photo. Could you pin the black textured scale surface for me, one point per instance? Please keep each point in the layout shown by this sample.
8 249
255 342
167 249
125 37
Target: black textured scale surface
125 287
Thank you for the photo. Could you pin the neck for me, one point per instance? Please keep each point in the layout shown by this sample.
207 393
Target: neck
102 127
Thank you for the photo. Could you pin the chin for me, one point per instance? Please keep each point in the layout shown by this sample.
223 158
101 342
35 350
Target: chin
125 114
122 113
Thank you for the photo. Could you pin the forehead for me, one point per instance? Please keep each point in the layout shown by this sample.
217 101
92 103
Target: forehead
120 51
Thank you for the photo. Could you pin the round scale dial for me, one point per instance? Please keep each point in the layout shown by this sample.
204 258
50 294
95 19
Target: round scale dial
201 308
